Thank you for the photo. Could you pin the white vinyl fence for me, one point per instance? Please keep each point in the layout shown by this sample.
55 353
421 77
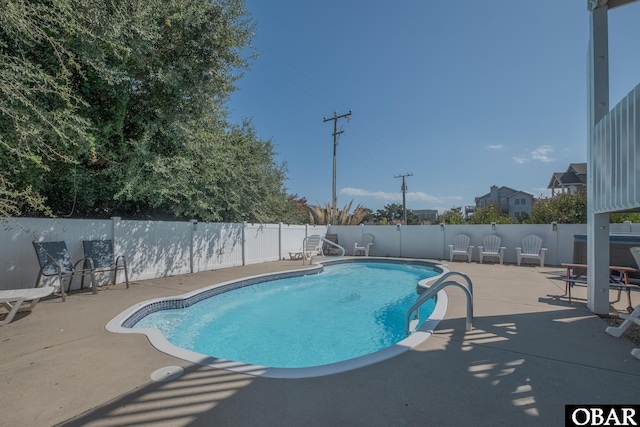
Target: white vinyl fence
151 248
165 248
432 241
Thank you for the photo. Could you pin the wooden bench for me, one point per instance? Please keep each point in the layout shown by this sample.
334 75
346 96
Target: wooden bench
620 283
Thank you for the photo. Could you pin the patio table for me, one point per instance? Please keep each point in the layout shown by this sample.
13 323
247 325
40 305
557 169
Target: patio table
620 284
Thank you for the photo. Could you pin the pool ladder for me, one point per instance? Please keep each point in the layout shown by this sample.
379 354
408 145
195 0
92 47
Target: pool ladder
329 242
432 290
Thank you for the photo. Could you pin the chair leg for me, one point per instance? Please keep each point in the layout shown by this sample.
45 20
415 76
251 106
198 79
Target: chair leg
94 286
121 267
62 292
15 307
126 275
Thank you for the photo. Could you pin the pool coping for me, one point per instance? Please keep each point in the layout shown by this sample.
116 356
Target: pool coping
122 323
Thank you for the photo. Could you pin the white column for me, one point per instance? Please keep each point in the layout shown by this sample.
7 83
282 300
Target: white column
597 223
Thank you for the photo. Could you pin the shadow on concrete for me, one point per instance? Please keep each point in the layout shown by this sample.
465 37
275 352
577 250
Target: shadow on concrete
513 369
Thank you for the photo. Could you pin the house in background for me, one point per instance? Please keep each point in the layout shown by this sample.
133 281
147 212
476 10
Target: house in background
571 181
510 201
426 215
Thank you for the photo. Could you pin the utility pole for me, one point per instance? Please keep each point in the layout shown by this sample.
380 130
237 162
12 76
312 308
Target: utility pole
334 199
404 192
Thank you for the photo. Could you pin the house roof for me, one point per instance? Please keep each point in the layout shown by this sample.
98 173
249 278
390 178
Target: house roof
576 174
503 188
578 168
609 3
521 192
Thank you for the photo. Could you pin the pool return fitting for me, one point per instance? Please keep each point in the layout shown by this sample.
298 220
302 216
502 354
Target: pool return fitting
432 290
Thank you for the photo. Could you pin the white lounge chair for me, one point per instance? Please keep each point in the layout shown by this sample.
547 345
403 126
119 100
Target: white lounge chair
312 246
629 319
364 245
16 300
531 249
491 247
461 247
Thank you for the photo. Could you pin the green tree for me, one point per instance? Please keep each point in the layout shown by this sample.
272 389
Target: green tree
452 216
620 217
165 115
564 208
488 214
394 214
122 105
368 215
43 44
296 210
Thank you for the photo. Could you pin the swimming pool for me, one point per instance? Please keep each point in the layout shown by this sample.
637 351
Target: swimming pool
346 315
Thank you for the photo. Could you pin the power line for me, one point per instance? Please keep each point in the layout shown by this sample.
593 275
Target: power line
404 192
335 145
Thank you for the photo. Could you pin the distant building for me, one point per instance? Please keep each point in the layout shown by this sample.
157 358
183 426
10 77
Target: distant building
571 181
510 201
426 215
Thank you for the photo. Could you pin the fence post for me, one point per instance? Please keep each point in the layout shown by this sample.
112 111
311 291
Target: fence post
115 225
444 243
280 257
554 230
194 228
244 243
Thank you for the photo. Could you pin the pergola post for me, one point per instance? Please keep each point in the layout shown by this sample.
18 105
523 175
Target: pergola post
597 223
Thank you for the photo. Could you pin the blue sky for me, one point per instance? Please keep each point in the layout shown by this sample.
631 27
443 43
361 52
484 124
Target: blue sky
463 94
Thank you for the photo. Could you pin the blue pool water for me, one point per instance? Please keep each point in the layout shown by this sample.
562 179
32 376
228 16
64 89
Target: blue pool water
346 311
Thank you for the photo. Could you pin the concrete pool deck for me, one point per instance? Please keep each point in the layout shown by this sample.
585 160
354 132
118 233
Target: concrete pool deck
530 353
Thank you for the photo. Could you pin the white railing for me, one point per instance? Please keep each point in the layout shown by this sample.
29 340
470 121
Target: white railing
615 156
165 248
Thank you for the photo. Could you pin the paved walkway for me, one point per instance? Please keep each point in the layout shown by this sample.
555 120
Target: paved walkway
530 353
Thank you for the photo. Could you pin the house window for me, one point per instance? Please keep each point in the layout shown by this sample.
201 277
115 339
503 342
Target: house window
517 201
523 201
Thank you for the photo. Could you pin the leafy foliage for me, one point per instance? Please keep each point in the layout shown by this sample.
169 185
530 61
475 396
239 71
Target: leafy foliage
488 214
620 217
296 210
322 215
452 216
394 214
565 208
122 106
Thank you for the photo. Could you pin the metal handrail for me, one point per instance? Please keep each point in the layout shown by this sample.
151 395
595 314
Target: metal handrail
434 289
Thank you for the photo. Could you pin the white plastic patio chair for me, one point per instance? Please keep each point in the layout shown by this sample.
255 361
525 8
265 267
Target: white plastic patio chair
629 319
491 247
364 245
461 247
531 249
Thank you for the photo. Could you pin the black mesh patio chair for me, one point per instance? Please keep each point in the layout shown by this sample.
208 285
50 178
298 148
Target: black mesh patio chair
55 260
100 254
330 249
